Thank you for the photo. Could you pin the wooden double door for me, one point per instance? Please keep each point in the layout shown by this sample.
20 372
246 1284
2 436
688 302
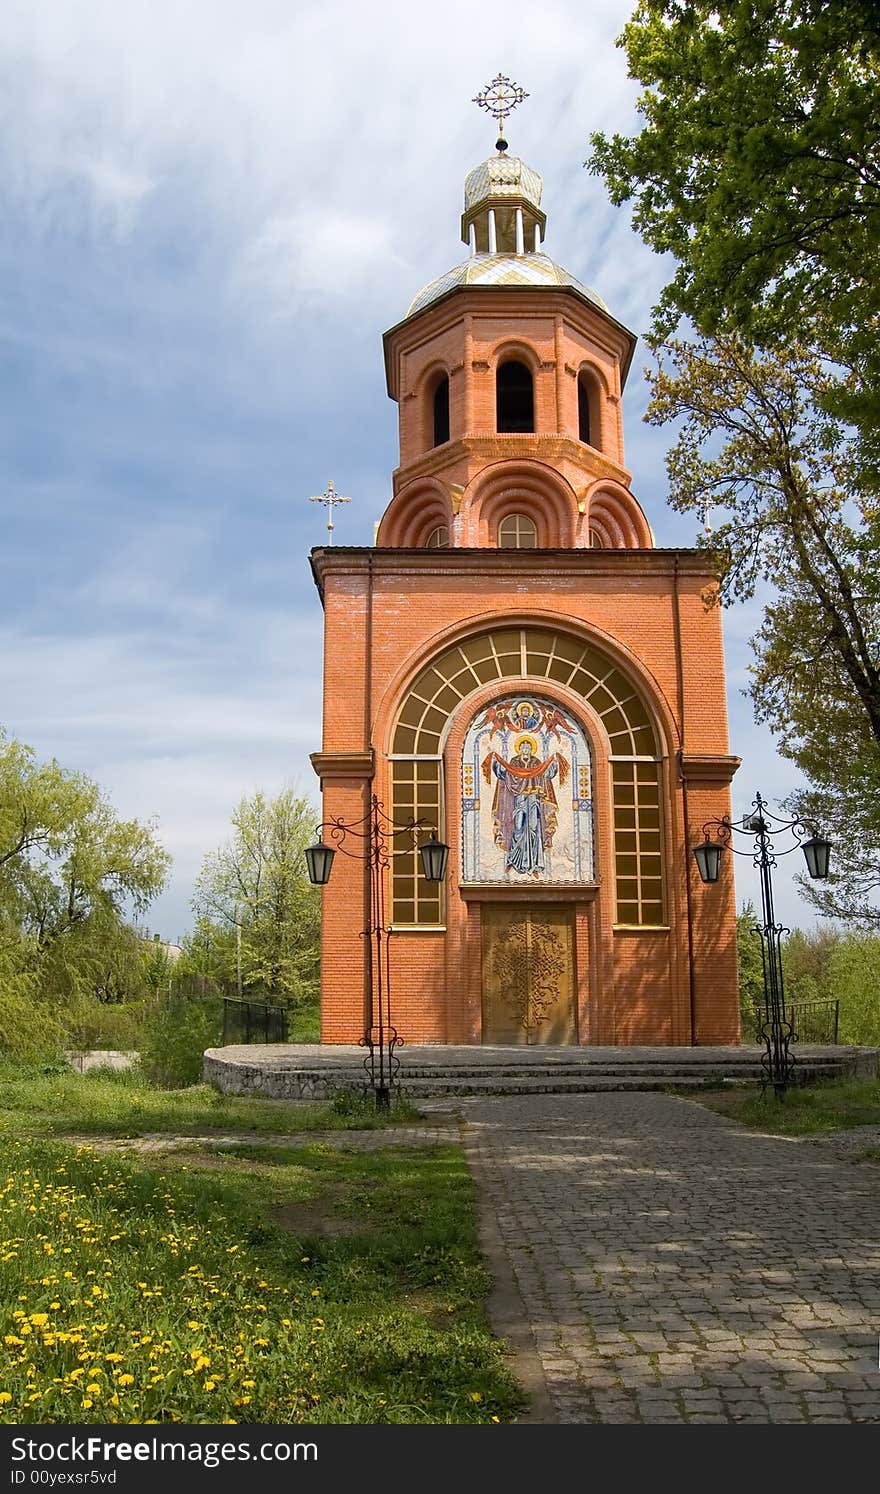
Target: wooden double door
528 973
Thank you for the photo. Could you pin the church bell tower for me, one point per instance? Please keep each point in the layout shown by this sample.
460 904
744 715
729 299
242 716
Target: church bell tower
515 664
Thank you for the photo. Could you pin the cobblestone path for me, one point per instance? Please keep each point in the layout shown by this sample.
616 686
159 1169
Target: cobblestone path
675 1267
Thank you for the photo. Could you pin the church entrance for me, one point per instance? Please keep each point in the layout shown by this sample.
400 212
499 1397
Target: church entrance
528 974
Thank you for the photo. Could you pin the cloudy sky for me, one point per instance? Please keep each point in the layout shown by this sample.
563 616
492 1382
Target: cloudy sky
210 210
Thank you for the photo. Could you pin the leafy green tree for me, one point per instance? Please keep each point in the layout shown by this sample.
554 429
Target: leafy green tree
70 873
806 957
29 1027
755 451
208 954
98 959
854 978
256 889
758 168
156 966
751 968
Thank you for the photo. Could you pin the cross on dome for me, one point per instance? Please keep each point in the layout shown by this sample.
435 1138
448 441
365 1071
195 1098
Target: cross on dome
499 98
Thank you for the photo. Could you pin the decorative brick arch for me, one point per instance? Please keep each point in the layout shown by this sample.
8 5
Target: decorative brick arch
519 487
545 657
617 518
414 513
514 350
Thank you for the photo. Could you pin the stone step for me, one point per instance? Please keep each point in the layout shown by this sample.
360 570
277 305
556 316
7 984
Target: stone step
554 1074
743 1069
532 1085
301 1073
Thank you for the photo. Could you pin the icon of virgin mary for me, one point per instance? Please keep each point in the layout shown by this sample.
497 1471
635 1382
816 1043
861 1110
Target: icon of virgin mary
525 809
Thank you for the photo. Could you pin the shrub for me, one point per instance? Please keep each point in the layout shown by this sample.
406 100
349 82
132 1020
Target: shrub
96 1024
177 1032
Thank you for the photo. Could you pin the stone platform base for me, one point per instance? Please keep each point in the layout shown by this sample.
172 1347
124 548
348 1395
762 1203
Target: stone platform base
312 1071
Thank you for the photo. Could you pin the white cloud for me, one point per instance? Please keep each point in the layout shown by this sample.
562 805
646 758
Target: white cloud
312 255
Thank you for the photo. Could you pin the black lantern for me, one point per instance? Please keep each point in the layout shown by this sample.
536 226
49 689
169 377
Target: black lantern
708 859
817 854
433 855
319 860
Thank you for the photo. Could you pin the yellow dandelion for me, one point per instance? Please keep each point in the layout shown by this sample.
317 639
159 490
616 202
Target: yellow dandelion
5 1397
475 1395
125 1380
86 1404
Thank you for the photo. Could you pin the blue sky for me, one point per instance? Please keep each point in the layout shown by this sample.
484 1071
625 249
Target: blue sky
209 213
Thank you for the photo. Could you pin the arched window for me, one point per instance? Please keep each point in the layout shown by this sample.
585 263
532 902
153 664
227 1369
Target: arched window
438 539
517 532
584 426
441 412
596 540
514 398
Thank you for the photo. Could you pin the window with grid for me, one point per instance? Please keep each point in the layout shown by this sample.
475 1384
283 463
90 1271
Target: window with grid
638 857
517 532
415 796
534 654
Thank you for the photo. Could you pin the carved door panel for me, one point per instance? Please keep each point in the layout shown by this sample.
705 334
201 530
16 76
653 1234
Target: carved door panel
528 974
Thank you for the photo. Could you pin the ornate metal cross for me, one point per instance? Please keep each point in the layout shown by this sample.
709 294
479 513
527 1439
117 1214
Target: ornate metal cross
330 498
499 98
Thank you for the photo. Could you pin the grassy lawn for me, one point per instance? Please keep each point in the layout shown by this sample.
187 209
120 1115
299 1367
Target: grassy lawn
102 1103
293 1285
805 1110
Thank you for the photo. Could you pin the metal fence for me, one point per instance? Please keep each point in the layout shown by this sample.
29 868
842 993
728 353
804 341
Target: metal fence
813 1021
253 1022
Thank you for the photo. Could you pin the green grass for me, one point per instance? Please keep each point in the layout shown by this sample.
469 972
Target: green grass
136 1291
805 1110
102 1103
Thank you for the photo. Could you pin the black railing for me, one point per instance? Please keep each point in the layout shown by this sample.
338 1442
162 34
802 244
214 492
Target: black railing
813 1021
253 1022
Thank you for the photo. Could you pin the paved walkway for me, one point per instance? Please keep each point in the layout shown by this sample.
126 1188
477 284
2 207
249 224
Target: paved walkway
674 1267
656 1262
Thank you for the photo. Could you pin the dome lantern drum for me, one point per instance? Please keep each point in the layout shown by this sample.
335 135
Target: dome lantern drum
502 208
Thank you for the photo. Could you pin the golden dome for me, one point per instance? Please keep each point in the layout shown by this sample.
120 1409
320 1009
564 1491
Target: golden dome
508 270
502 176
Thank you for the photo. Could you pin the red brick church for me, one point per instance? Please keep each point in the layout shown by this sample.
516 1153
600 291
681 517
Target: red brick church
515 663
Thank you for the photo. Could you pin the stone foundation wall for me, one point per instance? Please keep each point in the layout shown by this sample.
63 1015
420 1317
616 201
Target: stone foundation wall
237 1078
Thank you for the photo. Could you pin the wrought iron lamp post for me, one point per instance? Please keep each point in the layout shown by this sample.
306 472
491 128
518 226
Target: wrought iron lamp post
776 1031
375 831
